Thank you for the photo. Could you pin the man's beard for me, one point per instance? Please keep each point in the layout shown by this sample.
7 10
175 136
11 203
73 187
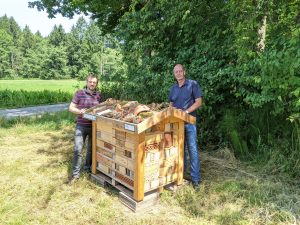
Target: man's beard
91 90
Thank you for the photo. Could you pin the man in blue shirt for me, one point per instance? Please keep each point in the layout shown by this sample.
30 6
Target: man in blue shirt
187 96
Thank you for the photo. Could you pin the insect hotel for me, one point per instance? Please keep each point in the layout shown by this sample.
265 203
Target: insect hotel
138 149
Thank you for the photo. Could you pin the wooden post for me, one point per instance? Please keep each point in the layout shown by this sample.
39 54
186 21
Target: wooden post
138 192
94 145
180 153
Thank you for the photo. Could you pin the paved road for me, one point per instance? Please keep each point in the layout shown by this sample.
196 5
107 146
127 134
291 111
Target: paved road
31 111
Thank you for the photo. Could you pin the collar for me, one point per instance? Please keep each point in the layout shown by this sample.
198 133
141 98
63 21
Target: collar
185 81
87 91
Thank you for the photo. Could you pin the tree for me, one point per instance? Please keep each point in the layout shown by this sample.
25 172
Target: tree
6 45
15 57
107 13
27 41
55 64
57 37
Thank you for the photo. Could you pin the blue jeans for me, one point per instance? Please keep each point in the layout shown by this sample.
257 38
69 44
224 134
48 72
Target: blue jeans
81 134
191 147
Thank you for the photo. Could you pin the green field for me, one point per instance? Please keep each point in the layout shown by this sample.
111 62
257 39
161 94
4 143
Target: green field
40 85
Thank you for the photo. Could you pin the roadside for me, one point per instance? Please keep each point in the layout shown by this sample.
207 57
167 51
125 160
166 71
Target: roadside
32 111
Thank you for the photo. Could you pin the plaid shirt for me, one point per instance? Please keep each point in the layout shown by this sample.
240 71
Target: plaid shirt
83 99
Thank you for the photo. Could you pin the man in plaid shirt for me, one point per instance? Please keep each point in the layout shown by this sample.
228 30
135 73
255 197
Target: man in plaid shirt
82 100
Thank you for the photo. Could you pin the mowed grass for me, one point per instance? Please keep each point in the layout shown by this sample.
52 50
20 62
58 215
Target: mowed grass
36 157
40 85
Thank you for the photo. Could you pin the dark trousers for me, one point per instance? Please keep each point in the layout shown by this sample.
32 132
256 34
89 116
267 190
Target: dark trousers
81 134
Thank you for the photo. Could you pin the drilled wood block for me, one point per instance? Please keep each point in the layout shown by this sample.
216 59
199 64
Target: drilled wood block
104 169
105 136
151 168
168 170
121 160
105 145
127 153
151 184
169 127
125 171
152 156
153 138
163 180
124 179
105 152
104 160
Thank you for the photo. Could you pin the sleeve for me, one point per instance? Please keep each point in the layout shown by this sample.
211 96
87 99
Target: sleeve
171 94
75 99
99 97
197 91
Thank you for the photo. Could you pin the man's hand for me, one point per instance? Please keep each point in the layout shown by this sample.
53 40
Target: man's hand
73 109
82 111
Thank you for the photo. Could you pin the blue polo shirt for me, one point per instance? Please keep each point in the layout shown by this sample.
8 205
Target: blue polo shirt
183 97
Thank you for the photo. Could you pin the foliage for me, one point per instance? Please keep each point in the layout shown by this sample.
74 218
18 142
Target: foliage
60 55
15 99
20 93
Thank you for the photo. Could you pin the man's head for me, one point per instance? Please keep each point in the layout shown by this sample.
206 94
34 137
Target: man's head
91 82
179 72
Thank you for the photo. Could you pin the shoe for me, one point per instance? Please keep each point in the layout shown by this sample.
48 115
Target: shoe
88 171
187 177
73 180
196 185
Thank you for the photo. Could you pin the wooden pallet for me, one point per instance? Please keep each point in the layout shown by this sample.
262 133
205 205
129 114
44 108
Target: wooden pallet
126 195
149 201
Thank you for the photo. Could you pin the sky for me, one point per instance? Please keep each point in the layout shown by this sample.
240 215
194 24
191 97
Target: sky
18 9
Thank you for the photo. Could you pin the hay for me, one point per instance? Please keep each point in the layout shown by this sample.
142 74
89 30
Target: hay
221 160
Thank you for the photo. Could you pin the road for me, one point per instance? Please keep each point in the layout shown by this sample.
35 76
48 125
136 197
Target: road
32 111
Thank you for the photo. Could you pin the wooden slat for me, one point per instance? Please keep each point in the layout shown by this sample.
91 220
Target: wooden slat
104 126
149 122
121 125
180 153
105 136
179 114
169 113
154 137
138 193
94 143
156 118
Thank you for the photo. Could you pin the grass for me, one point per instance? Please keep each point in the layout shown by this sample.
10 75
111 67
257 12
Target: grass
36 157
39 85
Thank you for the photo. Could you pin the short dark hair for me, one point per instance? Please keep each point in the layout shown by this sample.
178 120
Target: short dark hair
91 75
